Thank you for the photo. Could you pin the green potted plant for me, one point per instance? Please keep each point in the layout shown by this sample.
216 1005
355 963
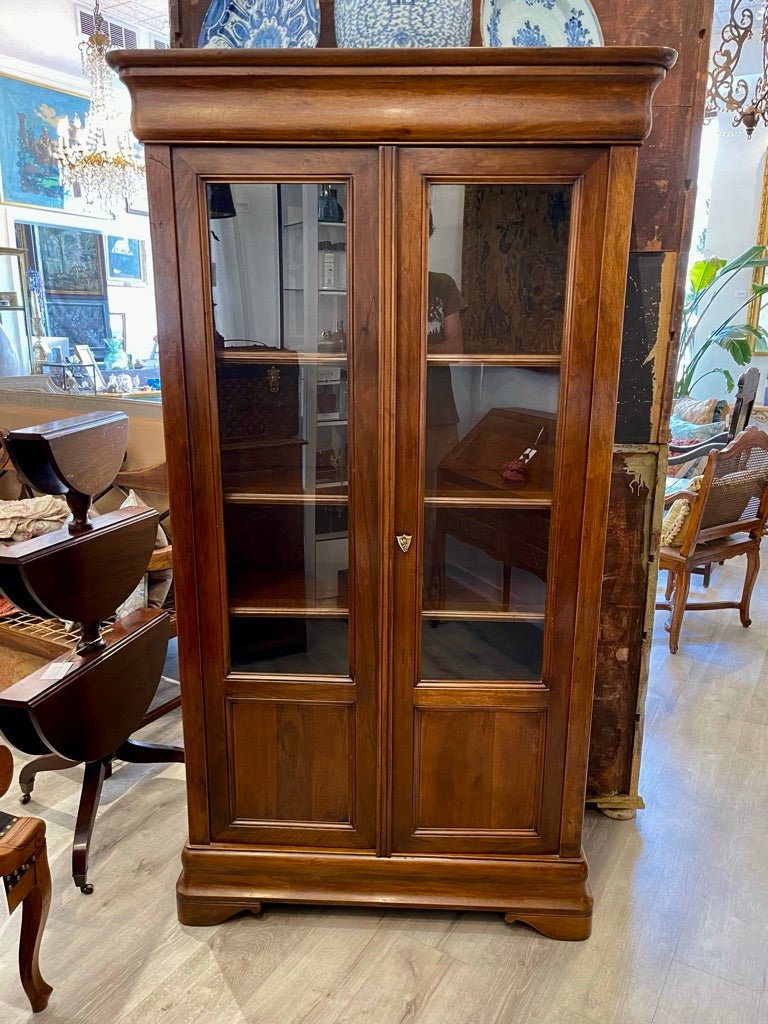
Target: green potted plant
706 280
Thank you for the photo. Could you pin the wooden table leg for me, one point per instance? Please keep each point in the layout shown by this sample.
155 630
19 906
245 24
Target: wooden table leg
46 763
86 816
136 752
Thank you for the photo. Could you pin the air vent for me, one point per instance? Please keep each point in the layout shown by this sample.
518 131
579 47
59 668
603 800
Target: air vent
158 44
119 35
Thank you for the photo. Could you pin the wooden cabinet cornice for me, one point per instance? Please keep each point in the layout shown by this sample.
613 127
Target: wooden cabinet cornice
387 612
462 96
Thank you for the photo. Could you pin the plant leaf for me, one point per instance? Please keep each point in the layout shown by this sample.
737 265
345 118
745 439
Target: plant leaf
704 272
730 383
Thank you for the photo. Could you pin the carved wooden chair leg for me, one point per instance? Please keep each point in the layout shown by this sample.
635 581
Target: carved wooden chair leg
670 585
136 752
679 601
86 817
25 878
34 913
46 763
753 568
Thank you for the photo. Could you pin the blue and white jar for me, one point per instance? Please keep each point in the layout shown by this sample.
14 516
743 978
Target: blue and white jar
392 23
260 24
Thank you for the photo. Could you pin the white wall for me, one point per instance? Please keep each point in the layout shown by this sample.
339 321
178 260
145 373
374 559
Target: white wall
731 226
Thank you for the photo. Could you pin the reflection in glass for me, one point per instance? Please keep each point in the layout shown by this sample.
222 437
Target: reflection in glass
286 556
283 427
481 649
290 645
481 418
485 560
279 266
498 268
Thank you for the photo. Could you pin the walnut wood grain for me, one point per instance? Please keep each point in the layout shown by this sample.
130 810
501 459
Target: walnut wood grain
322 96
107 562
382 828
113 687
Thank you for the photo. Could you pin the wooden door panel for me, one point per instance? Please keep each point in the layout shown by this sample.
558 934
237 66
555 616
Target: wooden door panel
463 777
481 769
288 628
290 763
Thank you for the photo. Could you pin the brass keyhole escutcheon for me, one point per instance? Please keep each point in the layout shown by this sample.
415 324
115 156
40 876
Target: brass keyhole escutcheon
404 541
273 377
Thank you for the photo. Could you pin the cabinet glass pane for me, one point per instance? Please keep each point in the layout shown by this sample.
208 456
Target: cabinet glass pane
283 427
481 649
485 560
286 558
499 258
279 266
296 645
480 420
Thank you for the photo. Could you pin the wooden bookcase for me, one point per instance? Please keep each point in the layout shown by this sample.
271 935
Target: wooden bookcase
414 731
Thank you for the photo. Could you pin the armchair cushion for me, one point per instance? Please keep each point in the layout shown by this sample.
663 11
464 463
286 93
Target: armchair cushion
675 517
700 410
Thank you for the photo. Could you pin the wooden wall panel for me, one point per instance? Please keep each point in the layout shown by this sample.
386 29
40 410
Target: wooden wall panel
615 715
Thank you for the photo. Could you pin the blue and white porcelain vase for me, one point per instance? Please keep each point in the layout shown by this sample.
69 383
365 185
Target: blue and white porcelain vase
388 23
260 24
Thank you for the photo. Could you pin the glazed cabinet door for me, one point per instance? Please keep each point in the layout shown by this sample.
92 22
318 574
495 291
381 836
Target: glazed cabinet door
502 445
278 256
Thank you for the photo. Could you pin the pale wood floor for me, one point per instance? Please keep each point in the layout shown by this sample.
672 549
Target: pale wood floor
681 920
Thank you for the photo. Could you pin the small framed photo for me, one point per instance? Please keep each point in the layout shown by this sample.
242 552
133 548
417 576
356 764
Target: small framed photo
85 356
126 262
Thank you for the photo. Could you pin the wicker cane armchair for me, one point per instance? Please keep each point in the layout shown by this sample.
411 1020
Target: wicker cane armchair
727 518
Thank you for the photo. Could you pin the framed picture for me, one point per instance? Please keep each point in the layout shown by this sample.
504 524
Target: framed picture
138 205
126 262
117 327
84 323
86 357
32 117
71 261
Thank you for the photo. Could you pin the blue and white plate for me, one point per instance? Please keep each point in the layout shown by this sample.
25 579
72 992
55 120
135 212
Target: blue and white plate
420 23
261 24
540 23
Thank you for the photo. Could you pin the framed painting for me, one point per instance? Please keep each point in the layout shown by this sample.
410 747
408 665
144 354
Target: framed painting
84 323
71 261
32 117
125 260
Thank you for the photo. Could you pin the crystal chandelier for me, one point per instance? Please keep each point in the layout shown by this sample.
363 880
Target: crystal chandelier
101 157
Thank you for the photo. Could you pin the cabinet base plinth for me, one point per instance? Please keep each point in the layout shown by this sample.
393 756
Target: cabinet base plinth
200 913
565 927
550 895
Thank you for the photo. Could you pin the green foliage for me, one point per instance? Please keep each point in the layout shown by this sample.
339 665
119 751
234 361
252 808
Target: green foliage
706 280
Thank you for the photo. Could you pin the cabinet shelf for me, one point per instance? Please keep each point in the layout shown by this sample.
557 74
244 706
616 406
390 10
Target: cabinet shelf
518 499
277 356
530 359
276 592
246 497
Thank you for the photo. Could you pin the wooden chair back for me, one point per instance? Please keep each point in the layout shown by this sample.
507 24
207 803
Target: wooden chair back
744 403
733 497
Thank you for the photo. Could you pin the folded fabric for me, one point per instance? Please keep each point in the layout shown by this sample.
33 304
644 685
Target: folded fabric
31 517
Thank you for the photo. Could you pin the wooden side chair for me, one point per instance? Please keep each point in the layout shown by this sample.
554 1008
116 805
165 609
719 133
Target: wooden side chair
26 879
727 518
